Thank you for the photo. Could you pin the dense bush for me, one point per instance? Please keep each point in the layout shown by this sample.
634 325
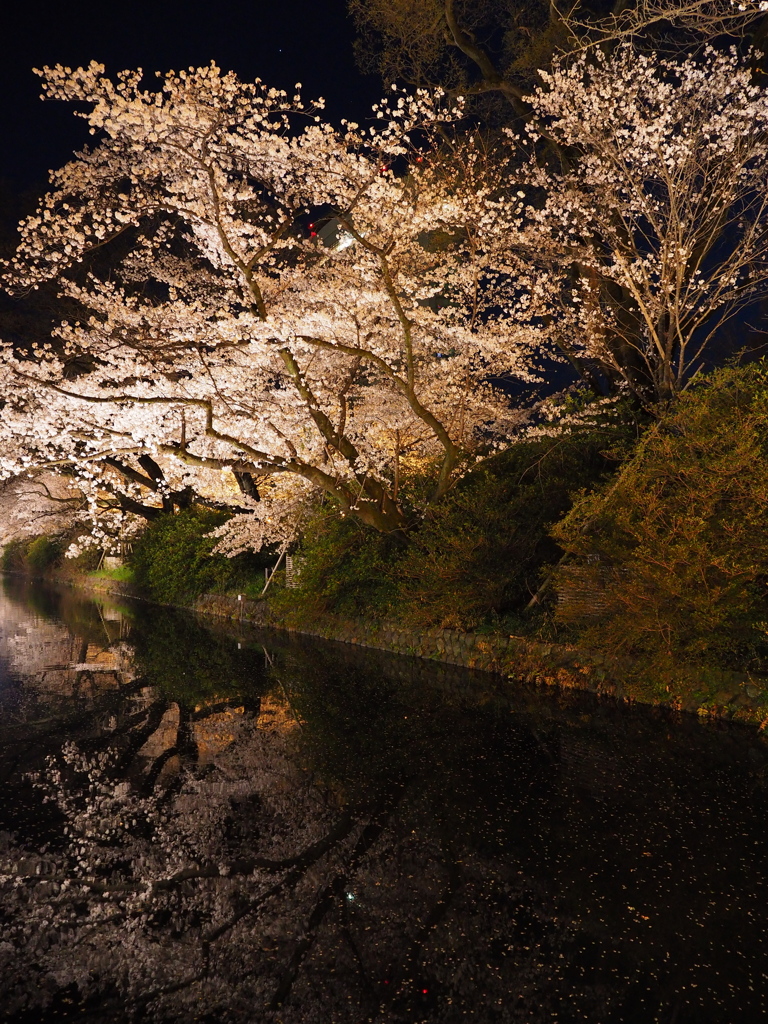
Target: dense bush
681 535
33 556
173 561
346 568
476 557
43 553
479 554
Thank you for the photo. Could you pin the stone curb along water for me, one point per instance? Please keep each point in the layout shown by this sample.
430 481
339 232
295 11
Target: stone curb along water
738 697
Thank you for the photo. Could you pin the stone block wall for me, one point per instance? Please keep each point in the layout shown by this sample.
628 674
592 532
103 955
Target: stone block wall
511 657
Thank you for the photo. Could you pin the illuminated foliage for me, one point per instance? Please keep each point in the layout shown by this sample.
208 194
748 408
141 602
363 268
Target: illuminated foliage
678 539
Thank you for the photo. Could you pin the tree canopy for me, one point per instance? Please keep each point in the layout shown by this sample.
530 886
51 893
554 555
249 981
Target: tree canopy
229 337
293 309
492 50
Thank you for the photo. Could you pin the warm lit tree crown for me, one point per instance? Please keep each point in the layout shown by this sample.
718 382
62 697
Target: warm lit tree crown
293 309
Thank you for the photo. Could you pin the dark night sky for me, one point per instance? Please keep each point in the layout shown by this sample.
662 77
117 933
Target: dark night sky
279 41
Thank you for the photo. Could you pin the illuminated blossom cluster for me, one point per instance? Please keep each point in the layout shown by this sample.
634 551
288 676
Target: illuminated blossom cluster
654 234
230 338
299 310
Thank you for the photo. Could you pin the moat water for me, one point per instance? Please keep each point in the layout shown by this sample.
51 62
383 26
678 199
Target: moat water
207 823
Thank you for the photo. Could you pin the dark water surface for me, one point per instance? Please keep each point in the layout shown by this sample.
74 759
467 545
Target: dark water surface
201 824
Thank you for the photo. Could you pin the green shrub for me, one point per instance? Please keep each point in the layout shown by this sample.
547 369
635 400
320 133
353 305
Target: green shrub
172 560
87 561
474 559
479 554
14 556
43 553
34 556
346 568
681 534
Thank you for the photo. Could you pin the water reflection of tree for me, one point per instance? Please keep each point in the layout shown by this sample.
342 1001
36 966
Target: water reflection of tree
406 855
185 659
317 874
285 859
81 615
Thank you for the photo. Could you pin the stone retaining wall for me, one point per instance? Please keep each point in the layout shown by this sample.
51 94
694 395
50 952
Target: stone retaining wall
736 696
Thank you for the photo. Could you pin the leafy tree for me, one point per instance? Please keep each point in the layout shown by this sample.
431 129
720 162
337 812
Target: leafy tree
677 542
33 555
346 568
14 556
474 49
173 559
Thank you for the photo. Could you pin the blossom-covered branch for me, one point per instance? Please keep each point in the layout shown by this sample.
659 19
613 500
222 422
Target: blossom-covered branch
229 337
657 234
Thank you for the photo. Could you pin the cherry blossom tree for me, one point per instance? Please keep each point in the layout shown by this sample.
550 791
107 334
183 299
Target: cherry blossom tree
228 337
656 233
31 505
294 310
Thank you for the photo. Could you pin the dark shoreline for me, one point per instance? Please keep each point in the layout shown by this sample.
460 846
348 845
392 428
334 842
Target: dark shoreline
738 697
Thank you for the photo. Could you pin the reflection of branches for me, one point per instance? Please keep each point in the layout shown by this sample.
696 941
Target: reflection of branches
295 867
333 890
141 735
169 990
298 867
349 939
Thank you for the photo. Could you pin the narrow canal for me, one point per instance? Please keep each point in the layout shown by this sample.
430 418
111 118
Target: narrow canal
200 823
